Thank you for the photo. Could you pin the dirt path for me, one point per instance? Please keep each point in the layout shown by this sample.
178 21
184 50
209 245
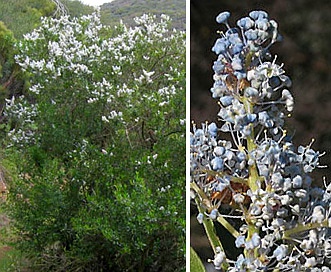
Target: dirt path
4 250
4 220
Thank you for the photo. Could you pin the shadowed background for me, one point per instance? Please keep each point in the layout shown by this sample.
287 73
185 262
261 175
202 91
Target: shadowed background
306 53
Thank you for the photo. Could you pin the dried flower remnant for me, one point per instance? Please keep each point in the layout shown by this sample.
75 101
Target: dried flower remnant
258 184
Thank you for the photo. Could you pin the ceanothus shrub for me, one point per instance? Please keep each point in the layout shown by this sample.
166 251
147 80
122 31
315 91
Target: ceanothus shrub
98 140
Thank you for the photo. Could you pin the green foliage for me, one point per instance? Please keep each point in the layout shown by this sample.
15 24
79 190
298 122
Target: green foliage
6 40
11 78
6 59
21 16
99 144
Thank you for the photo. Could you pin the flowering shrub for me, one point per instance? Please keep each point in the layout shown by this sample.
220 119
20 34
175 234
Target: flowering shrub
256 183
98 140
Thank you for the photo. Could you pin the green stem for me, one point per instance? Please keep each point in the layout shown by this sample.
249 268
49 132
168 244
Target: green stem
228 226
252 169
196 189
301 228
213 239
211 234
253 179
208 224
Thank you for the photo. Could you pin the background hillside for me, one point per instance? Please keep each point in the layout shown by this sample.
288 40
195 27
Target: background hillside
128 9
21 16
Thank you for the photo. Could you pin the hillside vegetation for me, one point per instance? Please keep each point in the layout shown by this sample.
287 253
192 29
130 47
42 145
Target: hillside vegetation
128 9
21 16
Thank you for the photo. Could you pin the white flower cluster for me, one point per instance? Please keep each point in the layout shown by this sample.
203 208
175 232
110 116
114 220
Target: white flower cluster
117 73
22 116
259 179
